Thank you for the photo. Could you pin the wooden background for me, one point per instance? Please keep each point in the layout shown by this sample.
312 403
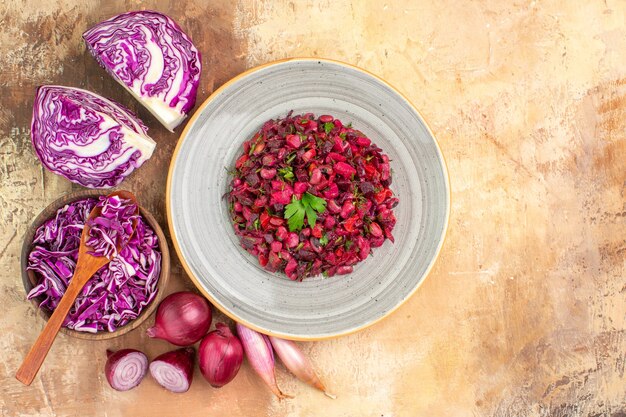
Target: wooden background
524 313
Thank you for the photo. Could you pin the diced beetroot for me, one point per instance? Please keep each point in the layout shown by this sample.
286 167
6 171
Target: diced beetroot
338 146
388 235
274 262
325 118
276 246
364 247
264 220
317 231
380 196
246 212
375 229
237 207
316 245
335 157
278 185
343 270
331 192
242 159
282 233
306 232
292 240
276 221
258 148
261 201
333 207
329 222
268 173
262 259
344 169
349 224
363 141
293 141
316 176
347 209
308 155
269 160
290 269
377 242
385 172
282 197
300 187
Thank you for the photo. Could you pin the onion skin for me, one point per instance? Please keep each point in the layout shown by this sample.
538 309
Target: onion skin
182 319
174 370
297 363
125 369
220 356
260 356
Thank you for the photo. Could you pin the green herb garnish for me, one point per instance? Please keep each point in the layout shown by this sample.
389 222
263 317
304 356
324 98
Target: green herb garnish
290 157
309 206
286 173
324 240
328 126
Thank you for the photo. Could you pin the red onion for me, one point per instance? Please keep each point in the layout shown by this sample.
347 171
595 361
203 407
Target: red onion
261 357
182 319
220 356
125 368
174 370
297 363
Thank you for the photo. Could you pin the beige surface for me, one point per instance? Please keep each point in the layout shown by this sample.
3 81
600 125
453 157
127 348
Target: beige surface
524 313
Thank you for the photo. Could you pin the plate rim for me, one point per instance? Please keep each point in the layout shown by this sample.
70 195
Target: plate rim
178 250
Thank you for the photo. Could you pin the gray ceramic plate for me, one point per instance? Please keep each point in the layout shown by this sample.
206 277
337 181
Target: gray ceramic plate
316 308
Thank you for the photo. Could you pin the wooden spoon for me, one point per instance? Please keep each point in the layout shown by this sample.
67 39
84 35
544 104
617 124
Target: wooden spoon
86 266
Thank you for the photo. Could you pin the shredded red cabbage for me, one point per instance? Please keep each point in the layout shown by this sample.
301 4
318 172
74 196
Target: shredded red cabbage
113 227
116 294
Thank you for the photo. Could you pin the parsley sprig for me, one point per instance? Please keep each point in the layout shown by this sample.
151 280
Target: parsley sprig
308 205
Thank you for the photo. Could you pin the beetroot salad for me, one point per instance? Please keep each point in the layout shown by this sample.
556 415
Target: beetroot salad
311 195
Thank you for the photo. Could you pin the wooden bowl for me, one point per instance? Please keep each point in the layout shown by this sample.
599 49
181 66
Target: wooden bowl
30 280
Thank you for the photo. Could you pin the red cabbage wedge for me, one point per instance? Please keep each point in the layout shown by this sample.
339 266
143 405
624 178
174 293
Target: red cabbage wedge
86 138
150 55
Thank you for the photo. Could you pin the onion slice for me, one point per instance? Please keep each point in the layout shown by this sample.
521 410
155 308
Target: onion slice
174 370
261 357
297 363
125 369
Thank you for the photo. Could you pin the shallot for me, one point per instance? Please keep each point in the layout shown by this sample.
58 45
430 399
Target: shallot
125 368
261 357
297 363
182 319
220 356
174 370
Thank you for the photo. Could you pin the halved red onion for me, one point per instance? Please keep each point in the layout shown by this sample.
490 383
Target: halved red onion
125 369
174 370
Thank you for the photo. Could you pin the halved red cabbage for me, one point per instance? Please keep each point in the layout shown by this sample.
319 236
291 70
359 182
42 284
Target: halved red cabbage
86 138
116 294
150 55
113 227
